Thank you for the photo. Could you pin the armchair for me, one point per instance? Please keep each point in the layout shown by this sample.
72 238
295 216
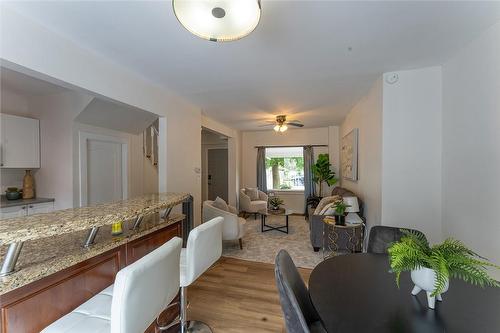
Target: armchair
253 206
233 227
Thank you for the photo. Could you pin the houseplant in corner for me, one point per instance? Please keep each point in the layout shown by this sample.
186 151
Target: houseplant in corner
432 267
321 173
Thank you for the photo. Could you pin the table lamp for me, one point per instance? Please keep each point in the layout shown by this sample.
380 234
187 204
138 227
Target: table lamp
352 216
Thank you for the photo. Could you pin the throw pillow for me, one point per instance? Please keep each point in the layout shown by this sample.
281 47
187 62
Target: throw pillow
220 203
325 201
253 193
327 208
329 212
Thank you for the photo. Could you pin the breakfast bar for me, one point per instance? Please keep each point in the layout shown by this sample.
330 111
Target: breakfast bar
70 255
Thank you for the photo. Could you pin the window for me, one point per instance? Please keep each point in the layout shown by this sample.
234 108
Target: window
285 168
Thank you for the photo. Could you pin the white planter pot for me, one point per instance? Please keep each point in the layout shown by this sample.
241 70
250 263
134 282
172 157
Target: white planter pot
425 279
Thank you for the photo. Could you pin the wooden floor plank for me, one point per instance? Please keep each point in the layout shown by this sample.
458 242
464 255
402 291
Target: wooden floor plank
238 296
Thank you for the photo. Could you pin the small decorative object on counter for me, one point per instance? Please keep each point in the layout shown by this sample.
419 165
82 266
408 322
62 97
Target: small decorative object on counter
13 193
117 228
432 267
28 185
275 203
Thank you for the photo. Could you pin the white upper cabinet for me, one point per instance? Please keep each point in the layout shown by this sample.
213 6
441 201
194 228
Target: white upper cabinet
20 142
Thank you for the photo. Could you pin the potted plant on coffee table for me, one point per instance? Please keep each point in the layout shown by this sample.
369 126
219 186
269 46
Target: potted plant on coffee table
432 267
275 203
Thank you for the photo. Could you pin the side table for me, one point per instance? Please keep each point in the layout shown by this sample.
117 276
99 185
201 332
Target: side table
341 238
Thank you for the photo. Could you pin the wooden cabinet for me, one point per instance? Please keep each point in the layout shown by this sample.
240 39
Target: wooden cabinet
17 211
33 307
142 246
19 142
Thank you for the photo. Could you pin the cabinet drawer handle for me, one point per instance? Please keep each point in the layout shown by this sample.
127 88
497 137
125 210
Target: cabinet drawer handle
23 207
31 206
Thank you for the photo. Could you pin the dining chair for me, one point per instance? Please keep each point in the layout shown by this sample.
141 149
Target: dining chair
381 237
300 315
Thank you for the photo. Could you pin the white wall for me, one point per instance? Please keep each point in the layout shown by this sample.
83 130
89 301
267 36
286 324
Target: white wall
142 175
411 173
15 104
366 116
30 48
471 145
299 137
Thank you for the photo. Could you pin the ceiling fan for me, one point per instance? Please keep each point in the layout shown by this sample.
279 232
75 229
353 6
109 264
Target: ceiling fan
281 124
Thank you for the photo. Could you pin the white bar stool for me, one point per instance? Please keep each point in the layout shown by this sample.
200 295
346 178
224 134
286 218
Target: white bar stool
204 248
140 293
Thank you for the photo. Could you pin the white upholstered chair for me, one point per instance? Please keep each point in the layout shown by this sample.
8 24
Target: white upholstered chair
140 293
203 249
253 206
233 227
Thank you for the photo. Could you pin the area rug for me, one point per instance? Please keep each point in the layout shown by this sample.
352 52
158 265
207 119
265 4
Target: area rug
263 246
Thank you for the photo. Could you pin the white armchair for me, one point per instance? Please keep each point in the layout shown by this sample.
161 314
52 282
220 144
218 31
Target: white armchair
253 206
233 227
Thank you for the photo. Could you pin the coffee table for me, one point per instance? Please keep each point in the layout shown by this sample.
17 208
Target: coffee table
282 212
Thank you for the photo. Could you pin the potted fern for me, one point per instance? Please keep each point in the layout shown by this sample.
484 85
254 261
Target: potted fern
432 267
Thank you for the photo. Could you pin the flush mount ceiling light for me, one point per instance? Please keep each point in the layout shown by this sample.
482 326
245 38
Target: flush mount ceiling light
218 20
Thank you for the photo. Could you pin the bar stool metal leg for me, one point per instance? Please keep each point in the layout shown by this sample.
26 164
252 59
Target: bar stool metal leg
191 326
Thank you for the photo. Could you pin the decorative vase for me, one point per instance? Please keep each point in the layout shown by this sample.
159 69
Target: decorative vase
425 279
28 185
340 219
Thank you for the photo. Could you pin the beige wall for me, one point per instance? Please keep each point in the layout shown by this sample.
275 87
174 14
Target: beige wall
299 137
411 174
366 115
471 145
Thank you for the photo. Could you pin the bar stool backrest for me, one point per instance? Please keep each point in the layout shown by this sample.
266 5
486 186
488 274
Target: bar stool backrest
143 289
204 248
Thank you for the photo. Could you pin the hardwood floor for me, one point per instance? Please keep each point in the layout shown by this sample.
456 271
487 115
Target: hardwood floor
238 296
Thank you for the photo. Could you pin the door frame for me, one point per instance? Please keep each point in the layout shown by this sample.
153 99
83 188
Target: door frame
83 138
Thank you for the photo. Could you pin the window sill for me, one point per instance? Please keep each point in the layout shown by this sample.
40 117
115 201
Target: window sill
287 191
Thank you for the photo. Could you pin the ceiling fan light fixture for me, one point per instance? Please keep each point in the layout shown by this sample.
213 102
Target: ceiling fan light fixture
283 128
218 20
277 128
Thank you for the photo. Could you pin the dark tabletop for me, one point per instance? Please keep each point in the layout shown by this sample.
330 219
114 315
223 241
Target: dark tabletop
356 293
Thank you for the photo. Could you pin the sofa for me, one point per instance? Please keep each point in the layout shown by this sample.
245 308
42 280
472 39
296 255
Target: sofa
316 221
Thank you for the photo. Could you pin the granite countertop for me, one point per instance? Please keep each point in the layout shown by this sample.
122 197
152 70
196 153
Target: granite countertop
43 257
21 202
38 226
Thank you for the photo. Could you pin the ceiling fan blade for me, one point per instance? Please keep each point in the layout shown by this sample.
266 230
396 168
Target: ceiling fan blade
295 124
267 125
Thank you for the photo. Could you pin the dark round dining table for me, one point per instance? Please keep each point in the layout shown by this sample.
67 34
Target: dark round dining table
357 293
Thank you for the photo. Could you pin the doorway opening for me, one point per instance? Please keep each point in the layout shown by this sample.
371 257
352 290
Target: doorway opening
214 165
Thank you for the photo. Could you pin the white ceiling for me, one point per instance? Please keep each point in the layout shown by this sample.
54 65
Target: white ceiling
298 61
